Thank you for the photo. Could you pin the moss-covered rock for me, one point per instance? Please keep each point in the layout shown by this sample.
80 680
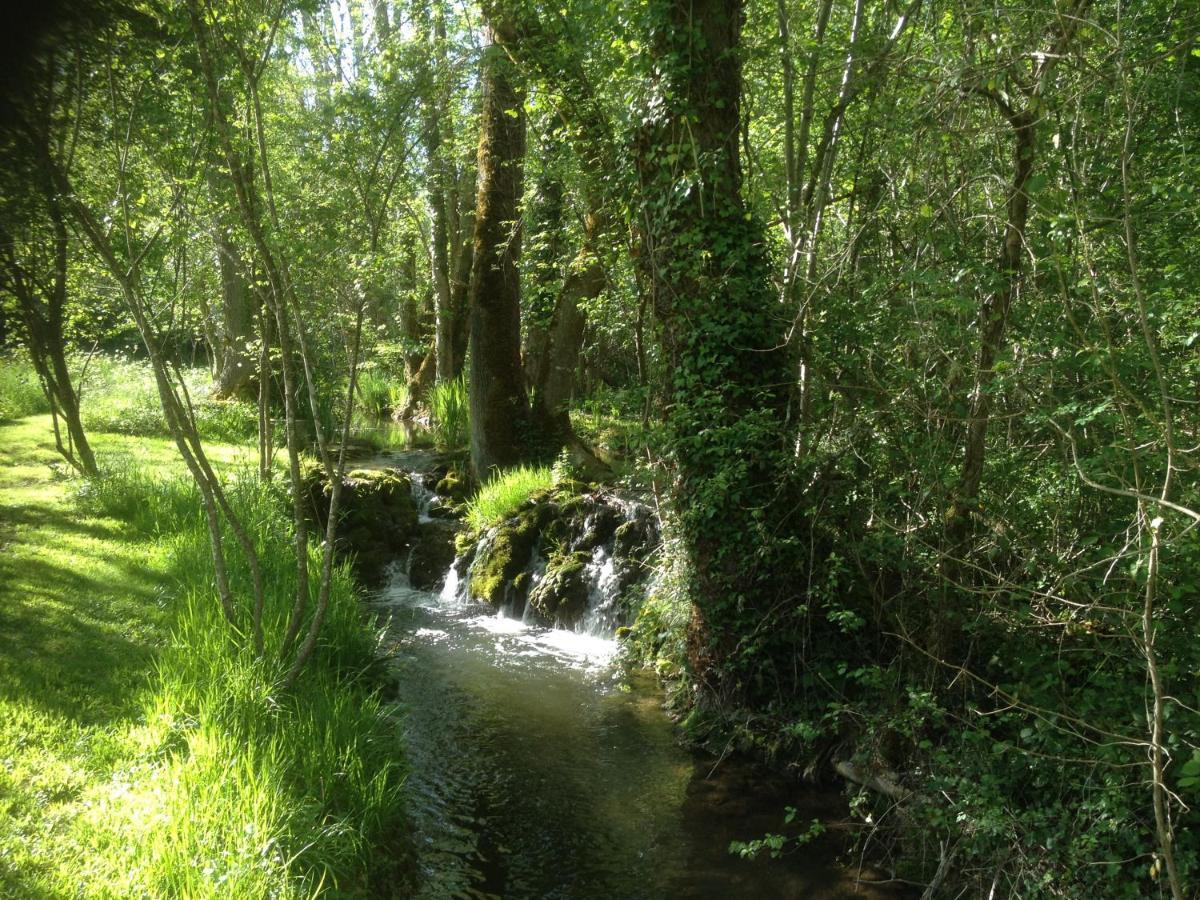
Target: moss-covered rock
377 517
432 553
506 556
561 596
453 485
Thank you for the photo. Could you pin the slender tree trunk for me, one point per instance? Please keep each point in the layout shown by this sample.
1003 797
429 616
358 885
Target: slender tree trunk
460 283
42 312
993 315
440 198
499 405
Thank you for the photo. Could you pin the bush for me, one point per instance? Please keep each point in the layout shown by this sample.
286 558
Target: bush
501 497
20 392
450 412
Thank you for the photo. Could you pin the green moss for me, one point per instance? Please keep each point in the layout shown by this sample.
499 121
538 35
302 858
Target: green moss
453 485
506 557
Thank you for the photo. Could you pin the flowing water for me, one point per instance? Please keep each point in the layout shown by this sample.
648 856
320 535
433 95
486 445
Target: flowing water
535 774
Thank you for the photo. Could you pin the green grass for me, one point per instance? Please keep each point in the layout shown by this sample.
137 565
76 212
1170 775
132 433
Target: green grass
501 497
379 394
450 412
143 754
118 395
20 393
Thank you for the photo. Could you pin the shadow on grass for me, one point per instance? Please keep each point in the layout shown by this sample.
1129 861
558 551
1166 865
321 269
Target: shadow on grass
62 519
79 624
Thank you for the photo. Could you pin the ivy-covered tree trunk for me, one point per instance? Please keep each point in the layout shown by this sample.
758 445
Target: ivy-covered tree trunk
499 404
726 376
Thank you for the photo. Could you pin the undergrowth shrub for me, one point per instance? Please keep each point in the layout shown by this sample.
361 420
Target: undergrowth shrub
20 393
239 790
501 497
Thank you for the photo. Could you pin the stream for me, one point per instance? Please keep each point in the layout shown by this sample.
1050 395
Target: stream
536 774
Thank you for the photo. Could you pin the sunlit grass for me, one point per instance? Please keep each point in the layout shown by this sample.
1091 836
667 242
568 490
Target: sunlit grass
450 414
20 393
501 497
119 396
144 755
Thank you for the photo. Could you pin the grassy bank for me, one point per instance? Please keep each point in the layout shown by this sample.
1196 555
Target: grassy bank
140 753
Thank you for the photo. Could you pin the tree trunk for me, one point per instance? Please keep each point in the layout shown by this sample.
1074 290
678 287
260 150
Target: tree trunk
236 328
460 284
993 315
710 287
42 310
499 405
440 198
555 375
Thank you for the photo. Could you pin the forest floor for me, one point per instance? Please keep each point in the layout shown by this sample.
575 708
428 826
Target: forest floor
82 618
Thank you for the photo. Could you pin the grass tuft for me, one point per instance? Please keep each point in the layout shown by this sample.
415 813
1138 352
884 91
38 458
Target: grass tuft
450 412
501 497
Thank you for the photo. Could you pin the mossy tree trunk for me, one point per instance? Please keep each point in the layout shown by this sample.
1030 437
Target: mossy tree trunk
499 404
726 377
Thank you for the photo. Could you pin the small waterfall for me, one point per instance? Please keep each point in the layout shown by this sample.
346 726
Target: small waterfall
456 588
537 571
425 498
603 612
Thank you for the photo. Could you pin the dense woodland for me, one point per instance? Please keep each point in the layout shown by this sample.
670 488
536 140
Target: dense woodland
889 306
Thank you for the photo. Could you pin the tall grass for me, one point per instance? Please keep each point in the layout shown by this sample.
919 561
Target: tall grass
240 791
379 394
501 497
449 412
20 392
133 493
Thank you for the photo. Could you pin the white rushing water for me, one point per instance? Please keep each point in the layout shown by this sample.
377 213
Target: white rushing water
590 648
425 498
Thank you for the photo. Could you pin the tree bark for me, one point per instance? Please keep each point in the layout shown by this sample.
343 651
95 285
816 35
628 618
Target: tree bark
236 329
555 375
499 405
